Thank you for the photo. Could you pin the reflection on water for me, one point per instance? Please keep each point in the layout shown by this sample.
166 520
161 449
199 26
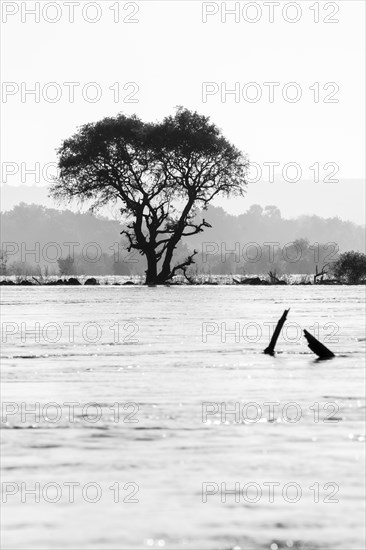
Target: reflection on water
148 358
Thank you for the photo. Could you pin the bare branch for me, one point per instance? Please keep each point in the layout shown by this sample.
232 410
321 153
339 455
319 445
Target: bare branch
189 261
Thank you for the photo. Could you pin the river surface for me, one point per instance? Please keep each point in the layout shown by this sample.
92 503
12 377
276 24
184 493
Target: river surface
149 452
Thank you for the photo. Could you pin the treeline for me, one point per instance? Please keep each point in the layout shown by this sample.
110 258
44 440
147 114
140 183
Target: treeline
299 256
43 241
262 225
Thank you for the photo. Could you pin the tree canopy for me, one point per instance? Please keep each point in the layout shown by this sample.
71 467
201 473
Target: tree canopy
160 173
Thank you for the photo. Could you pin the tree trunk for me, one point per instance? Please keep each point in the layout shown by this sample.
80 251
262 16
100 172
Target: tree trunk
166 268
152 275
152 268
175 238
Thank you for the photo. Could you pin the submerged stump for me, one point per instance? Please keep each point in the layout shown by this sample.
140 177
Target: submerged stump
270 349
317 347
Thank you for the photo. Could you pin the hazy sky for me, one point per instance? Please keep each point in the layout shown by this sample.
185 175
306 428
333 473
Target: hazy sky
172 57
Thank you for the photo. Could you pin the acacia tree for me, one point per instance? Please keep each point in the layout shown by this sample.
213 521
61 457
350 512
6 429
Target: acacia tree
160 173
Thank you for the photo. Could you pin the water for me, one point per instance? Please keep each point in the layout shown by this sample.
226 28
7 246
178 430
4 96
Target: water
160 361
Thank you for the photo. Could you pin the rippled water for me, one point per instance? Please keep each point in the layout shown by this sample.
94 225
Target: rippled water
162 365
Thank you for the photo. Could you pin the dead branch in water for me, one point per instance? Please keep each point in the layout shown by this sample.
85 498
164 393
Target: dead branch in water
189 279
274 280
320 273
317 347
273 277
270 349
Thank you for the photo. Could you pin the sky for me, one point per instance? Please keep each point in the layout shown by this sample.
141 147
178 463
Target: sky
284 81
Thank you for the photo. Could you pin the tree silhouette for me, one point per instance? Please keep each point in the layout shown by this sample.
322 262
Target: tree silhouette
160 172
350 267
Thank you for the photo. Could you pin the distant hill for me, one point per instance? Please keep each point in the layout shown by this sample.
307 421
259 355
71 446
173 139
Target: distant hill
262 225
48 232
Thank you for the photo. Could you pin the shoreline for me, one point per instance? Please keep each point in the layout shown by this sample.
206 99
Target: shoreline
219 281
